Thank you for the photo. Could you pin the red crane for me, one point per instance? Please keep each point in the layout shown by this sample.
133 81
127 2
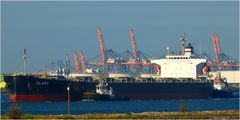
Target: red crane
218 54
76 61
134 46
83 62
101 45
218 48
215 47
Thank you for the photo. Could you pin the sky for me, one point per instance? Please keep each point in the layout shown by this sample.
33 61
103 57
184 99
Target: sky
50 30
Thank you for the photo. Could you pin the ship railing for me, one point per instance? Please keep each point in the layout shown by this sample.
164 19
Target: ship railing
84 79
152 80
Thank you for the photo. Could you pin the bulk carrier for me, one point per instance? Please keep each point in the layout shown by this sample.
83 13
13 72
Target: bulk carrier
179 76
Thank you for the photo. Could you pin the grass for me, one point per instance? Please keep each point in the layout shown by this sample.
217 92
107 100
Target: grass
227 114
15 112
183 107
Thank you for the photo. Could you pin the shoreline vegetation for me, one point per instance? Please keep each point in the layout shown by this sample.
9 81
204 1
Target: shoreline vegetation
224 114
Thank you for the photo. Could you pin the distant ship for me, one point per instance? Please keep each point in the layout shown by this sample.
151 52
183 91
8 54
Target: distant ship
180 76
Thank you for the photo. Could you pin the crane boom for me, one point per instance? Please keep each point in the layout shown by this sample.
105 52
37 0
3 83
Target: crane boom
83 61
134 46
218 48
215 47
76 61
101 45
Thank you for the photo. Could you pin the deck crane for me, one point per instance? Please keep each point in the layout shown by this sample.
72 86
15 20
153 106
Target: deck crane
134 46
83 62
76 61
101 46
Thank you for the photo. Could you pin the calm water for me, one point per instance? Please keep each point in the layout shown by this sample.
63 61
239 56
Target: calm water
120 106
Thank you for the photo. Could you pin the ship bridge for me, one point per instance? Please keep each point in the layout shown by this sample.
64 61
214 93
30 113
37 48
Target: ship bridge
181 66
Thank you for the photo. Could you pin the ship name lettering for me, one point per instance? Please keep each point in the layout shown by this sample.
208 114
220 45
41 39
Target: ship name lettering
41 83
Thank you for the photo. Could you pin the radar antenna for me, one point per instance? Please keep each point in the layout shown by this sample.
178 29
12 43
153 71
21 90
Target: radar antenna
183 41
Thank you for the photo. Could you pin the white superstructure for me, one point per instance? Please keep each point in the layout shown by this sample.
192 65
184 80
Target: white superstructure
180 67
186 65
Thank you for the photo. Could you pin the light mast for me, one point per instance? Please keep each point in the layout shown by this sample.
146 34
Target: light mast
25 58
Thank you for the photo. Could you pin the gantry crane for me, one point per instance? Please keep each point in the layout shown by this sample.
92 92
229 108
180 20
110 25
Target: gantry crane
219 55
76 61
83 62
135 55
101 46
217 48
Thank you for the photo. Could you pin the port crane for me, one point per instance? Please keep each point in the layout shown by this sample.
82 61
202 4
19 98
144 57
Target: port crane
83 62
140 60
217 48
101 45
76 61
222 60
134 46
113 61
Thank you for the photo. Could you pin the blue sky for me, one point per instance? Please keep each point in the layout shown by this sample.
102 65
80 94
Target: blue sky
50 30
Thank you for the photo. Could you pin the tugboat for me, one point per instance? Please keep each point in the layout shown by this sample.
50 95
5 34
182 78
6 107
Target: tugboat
103 93
221 89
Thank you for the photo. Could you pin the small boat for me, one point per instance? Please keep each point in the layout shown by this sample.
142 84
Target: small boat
103 92
221 89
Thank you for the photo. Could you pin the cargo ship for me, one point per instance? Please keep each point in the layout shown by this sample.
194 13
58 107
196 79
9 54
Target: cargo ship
35 89
180 76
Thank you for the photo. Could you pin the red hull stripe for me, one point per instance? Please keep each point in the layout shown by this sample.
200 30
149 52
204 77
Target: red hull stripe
37 98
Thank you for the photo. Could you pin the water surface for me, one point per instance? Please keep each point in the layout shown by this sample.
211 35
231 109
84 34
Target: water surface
83 107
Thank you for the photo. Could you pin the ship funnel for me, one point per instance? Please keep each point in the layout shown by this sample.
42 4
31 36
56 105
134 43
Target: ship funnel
188 50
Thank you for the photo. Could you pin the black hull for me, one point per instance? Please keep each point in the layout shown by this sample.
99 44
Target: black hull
222 94
35 89
156 91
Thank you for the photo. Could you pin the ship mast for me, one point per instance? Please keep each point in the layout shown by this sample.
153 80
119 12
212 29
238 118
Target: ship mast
183 41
